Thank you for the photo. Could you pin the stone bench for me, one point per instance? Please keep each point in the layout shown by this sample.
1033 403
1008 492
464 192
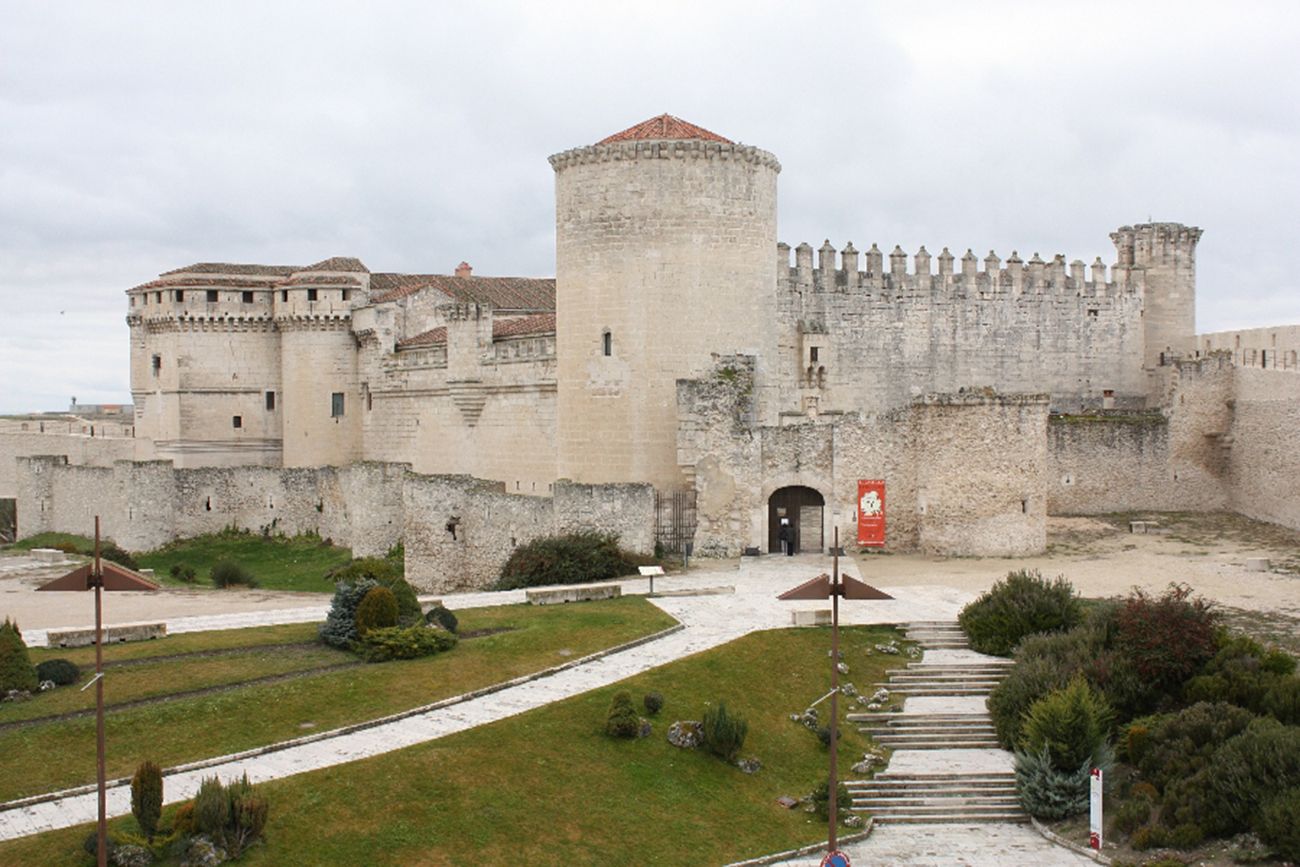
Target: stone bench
1143 527
48 555
1257 564
817 617
125 632
582 593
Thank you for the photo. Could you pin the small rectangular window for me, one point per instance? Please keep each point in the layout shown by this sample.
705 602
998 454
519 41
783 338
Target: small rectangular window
336 404
284 295
237 421
607 344
157 297
345 295
212 296
248 298
812 354
311 294
156 364
180 295
270 400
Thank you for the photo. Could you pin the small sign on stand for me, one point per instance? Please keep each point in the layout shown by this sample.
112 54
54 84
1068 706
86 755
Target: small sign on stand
1094 810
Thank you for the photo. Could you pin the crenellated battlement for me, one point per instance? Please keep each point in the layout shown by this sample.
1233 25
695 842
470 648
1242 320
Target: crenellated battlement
651 149
922 275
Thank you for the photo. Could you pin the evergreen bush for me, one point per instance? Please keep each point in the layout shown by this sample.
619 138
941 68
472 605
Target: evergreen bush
16 669
821 800
376 610
1166 639
228 573
403 642
340 626
1021 604
387 572
723 733
1279 823
61 671
442 616
1048 793
1072 725
1023 685
653 702
1178 745
211 808
113 554
576 558
622 721
147 797
1131 815
1282 700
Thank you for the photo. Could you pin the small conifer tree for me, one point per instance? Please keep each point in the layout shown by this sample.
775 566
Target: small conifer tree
147 797
16 669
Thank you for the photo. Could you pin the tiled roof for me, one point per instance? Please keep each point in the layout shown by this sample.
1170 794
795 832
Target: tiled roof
431 337
520 326
166 282
503 293
226 268
665 126
338 263
319 280
542 323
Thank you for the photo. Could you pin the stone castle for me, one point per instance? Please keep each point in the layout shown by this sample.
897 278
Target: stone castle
682 348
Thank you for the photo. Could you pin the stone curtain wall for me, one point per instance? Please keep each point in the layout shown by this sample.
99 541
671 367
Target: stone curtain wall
1263 456
96 451
965 474
367 507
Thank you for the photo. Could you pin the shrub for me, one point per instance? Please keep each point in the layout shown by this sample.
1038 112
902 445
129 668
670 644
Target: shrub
1227 795
1071 725
211 808
113 554
16 669
821 799
573 559
1282 700
182 572
62 671
376 610
1023 685
340 626
653 702
723 732
1048 793
228 573
183 820
1021 604
147 797
386 572
622 721
1279 823
1179 745
443 617
1166 639
1132 814
403 642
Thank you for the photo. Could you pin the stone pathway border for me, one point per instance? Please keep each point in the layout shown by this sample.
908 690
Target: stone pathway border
777 857
344 730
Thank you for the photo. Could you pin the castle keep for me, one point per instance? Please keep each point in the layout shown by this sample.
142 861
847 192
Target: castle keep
682 348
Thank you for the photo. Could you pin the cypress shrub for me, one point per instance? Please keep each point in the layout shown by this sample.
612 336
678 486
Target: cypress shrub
1024 684
723 733
61 671
340 626
16 669
1021 604
622 720
1071 725
147 797
211 808
376 610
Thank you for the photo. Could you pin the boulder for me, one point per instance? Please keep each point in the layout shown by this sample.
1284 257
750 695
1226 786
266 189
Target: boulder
685 734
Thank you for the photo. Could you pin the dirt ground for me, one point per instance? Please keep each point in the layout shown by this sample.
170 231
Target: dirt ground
1098 555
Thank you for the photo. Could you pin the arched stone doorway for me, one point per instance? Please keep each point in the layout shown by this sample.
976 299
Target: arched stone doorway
803 508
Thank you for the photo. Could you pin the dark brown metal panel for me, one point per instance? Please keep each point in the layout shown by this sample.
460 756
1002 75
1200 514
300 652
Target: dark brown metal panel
855 589
817 588
77 579
115 578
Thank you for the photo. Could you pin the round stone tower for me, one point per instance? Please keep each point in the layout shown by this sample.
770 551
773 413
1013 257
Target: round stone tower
665 240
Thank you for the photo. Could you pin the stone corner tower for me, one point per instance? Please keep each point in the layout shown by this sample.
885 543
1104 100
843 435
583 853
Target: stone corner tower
664 242
1165 256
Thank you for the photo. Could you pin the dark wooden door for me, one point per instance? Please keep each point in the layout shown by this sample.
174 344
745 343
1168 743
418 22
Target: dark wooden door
798 505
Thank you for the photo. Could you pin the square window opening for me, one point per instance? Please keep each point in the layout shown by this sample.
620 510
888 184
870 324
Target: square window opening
247 298
212 296
311 294
237 421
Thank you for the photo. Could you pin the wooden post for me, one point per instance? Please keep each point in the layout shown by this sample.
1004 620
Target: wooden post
97 578
835 684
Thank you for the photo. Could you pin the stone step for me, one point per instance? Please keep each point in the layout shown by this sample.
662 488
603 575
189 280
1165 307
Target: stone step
973 668
945 743
987 790
957 817
955 727
932 802
953 690
899 716
951 777
942 644
946 677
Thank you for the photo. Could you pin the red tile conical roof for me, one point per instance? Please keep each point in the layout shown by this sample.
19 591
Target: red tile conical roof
665 126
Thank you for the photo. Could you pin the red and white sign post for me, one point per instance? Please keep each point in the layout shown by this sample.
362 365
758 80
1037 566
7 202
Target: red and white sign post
871 513
1094 809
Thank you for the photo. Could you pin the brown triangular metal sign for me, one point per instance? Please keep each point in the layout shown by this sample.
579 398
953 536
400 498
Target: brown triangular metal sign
817 588
115 578
852 588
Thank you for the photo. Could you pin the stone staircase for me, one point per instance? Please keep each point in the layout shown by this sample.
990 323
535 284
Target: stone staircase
948 793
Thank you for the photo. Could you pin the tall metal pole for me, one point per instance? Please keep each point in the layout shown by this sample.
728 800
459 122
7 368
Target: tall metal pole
835 682
97 578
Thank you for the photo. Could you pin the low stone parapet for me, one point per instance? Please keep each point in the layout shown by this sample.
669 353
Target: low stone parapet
817 617
112 634
582 593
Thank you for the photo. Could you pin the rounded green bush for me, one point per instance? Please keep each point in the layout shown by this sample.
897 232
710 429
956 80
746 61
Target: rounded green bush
61 671
16 669
1022 604
228 573
573 559
653 702
622 720
1279 823
443 617
377 610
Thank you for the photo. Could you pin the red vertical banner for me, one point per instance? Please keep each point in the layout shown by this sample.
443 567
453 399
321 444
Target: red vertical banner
871 512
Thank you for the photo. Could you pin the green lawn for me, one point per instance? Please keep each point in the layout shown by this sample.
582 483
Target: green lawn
547 787
49 540
277 562
57 754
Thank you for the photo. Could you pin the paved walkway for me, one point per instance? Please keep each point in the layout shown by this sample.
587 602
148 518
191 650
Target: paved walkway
709 620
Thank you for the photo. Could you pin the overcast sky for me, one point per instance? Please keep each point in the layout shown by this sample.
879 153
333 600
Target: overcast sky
140 137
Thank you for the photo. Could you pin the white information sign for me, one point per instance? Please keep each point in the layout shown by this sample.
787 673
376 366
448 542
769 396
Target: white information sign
1094 810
